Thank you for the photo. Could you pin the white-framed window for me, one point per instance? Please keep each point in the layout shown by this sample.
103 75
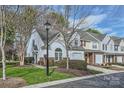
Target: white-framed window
58 54
94 45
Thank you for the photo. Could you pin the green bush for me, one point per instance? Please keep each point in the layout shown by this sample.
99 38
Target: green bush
28 60
79 65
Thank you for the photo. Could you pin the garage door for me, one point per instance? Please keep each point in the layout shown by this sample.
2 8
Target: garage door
77 56
119 59
99 59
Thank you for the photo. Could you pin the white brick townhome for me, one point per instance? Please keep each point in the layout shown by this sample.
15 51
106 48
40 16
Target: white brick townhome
91 47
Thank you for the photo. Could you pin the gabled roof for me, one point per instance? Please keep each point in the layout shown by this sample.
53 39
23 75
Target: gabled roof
116 40
85 36
43 34
98 36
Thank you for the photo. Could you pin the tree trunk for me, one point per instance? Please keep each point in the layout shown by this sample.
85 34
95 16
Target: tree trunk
67 61
21 58
3 63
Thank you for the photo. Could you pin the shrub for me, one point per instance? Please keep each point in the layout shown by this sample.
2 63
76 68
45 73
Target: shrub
29 60
79 65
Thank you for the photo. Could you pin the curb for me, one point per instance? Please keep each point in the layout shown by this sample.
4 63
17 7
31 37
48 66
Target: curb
42 85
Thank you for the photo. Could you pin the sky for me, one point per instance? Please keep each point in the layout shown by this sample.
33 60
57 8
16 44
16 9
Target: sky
107 19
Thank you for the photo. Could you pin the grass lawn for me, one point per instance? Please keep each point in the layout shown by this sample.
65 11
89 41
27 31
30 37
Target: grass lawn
33 75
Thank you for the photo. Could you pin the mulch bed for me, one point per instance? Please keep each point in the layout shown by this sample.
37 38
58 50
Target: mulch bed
14 82
74 72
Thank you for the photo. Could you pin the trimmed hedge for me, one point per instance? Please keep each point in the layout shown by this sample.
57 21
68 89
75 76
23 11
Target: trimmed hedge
79 65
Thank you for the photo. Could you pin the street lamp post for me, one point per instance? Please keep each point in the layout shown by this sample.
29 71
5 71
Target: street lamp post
47 26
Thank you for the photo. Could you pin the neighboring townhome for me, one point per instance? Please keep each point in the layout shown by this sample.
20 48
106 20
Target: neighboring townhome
102 48
36 46
118 49
92 43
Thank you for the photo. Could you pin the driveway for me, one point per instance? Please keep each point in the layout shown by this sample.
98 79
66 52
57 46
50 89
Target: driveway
115 80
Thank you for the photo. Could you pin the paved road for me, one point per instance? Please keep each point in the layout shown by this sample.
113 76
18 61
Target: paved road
107 81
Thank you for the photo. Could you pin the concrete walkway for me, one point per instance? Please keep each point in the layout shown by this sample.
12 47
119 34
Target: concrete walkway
100 69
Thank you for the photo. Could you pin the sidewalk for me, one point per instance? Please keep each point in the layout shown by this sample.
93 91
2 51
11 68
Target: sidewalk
100 69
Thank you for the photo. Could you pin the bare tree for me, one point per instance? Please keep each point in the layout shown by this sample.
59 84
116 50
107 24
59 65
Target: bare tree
25 21
67 21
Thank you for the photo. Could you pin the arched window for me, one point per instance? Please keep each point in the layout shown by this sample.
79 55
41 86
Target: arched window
58 54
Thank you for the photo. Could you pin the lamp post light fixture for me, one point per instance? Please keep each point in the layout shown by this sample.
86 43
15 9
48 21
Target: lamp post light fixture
47 26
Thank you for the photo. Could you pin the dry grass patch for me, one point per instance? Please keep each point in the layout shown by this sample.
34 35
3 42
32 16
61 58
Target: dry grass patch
13 82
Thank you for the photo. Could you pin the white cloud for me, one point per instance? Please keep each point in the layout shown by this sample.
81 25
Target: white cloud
90 21
103 30
113 34
95 19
